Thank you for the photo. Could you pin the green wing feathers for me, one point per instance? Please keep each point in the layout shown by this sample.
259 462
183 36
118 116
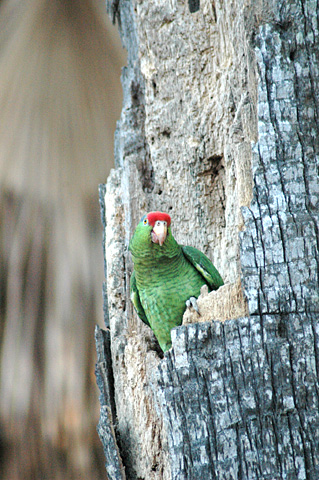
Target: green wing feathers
135 298
204 266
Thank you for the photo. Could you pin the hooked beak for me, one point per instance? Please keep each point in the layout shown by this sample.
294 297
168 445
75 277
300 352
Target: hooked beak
159 232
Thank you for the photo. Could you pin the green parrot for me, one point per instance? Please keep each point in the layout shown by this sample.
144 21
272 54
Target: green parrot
167 276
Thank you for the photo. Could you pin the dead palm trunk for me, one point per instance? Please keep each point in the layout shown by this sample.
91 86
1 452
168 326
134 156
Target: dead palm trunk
220 129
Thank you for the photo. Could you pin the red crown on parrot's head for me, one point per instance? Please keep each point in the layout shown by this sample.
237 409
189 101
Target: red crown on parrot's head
152 217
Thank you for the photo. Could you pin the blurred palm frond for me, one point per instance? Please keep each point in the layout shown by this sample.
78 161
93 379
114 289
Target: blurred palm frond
59 99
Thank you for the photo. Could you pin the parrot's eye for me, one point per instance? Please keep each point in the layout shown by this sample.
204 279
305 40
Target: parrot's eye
145 221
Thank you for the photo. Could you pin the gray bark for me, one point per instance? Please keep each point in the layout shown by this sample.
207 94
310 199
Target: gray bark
220 128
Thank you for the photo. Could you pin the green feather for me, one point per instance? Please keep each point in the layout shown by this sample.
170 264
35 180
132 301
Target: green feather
135 299
204 266
164 277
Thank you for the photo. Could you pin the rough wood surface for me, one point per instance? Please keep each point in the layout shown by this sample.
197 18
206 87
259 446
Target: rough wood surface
105 381
220 128
223 304
240 399
279 254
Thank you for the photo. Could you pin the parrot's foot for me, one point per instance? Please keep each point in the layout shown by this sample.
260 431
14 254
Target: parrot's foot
192 303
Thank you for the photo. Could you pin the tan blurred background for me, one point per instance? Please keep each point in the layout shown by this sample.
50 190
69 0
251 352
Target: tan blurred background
60 97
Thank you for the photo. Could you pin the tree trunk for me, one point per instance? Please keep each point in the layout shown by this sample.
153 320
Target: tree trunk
219 128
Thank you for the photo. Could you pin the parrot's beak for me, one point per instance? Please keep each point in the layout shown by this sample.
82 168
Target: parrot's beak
159 232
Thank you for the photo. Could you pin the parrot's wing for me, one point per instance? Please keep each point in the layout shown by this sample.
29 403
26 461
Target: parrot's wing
135 298
204 267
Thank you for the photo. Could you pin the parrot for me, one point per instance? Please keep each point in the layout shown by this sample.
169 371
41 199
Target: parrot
166 277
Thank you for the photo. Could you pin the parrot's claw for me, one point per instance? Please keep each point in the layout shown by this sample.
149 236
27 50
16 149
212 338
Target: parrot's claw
192 302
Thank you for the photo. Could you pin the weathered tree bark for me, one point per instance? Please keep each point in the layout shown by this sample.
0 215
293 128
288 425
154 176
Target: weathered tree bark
220 128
